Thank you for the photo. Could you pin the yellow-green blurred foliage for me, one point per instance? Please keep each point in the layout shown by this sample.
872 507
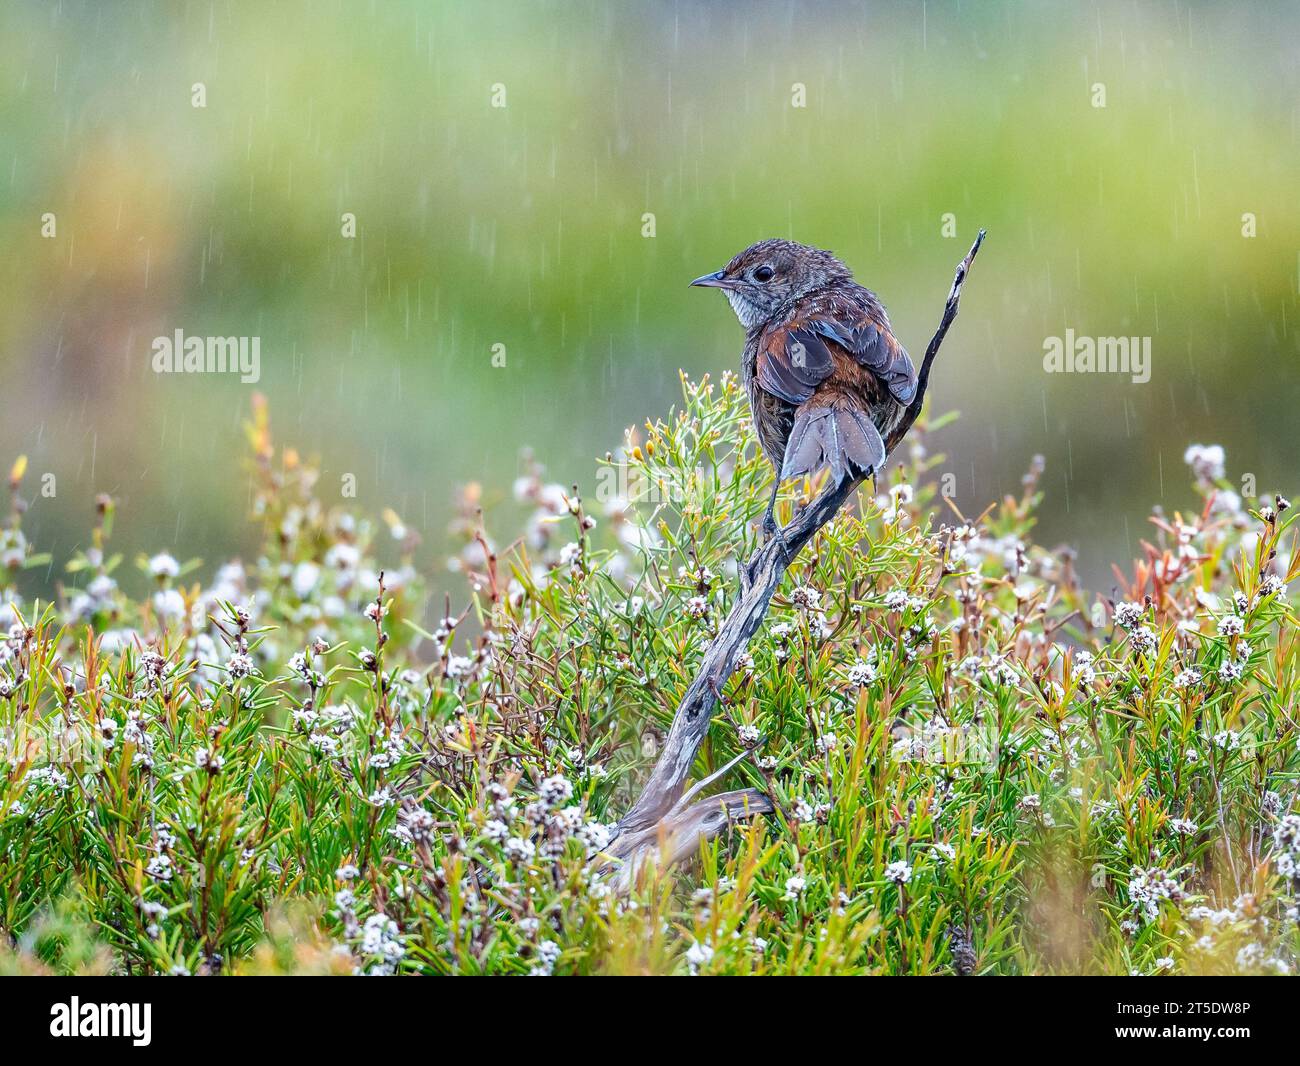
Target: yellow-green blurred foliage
523 225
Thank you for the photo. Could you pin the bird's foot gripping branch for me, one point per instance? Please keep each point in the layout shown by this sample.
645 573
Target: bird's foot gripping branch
663 823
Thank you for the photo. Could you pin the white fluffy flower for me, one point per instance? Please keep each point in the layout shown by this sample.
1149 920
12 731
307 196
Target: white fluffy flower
898 872
1127 615
862 673
806 598
1230 625
697 955
896 600
1206 461
556 790
164 565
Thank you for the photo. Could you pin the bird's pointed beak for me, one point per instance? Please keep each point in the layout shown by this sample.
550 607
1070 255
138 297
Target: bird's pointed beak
716 280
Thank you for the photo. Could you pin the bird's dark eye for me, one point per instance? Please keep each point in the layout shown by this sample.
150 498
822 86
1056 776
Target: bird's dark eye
764 273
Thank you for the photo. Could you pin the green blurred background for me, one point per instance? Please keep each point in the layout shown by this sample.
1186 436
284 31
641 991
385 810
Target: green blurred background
522 226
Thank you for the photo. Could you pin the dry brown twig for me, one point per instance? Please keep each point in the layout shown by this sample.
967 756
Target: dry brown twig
663 823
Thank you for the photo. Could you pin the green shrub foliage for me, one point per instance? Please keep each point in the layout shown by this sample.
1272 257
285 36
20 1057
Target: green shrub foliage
977 766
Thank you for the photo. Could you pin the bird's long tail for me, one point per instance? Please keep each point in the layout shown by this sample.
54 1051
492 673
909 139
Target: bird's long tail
839 437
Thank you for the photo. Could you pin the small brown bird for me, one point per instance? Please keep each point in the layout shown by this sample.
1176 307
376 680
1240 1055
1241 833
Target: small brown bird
826 378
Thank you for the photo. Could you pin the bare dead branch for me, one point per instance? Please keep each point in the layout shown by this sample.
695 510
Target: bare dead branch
679 833
923 375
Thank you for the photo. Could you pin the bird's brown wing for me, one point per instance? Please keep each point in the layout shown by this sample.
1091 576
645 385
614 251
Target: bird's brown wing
792 362
872 343
793 358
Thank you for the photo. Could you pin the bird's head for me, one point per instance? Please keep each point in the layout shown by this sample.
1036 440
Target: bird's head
764 279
